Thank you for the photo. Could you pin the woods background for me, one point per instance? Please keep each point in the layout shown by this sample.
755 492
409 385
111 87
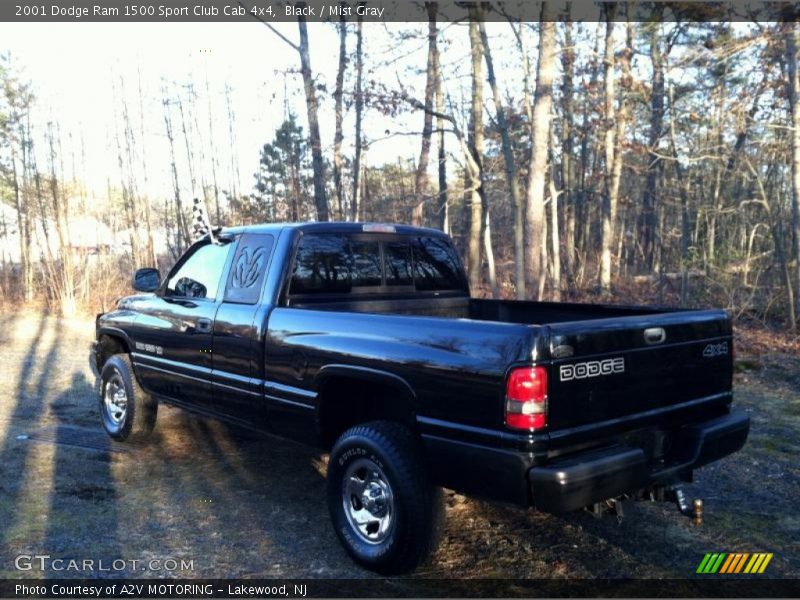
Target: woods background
621 161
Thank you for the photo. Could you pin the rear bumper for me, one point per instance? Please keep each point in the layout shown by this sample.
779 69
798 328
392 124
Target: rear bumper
578 481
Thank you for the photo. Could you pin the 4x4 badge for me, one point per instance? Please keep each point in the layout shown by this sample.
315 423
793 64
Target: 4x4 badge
713 350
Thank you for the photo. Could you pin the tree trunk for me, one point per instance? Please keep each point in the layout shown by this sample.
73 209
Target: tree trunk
318 165
619 136
128 198
235 181
588 169
148 214
567 167
338 137
182 239
683 182
421 175
535 266
23 226
359 102
555 242
511 171
442 208
475 142
64 273
792 42
609 201
487 247
717 200
649 218
214 157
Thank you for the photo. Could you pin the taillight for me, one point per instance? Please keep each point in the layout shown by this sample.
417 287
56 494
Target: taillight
526 398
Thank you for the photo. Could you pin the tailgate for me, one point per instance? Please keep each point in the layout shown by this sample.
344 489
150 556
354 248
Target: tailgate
612 368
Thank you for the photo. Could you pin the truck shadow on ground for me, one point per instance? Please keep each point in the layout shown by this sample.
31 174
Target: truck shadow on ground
248 504
81 477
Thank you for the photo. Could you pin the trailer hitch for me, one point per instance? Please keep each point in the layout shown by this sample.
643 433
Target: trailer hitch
659 493
613 506
676 493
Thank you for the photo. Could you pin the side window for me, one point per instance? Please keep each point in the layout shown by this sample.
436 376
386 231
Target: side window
366 271
322 265
397 263
249 268
199 276
436 265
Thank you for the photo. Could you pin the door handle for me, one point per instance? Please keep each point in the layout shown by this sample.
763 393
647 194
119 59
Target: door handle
203 325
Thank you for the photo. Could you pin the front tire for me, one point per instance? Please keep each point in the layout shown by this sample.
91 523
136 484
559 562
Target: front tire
127 412
384 510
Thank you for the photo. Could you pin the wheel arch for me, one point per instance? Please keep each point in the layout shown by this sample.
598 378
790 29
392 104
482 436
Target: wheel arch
110 341
349 395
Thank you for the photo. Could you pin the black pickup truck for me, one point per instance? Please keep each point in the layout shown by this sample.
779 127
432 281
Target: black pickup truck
364 339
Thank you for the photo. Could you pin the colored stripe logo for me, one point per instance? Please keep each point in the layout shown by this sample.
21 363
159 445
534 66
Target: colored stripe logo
734 563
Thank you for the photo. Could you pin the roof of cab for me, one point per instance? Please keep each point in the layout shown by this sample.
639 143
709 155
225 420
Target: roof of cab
329 227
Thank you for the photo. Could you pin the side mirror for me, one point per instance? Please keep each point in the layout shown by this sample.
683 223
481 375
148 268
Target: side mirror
146 280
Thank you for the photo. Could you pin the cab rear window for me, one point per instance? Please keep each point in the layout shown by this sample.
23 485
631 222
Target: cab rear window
339 264
322 265
366 264
397 264
436 265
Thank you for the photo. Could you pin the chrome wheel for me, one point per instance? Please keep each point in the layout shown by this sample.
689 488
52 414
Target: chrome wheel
368 501
115 399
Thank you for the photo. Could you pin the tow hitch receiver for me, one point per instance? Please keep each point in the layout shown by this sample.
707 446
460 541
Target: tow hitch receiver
613 506
659 493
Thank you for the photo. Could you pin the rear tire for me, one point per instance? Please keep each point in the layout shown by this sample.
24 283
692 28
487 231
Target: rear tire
384 510
127 412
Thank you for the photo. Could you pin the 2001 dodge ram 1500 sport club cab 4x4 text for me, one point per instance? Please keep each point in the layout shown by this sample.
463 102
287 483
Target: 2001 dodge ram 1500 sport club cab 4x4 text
364 338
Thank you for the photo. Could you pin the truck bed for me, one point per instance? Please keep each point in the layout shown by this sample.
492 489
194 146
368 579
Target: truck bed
498 311
605 363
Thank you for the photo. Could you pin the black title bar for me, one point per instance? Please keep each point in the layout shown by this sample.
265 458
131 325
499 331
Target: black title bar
712 586
274 11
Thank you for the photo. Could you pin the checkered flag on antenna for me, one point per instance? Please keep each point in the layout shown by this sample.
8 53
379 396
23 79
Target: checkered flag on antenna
200 226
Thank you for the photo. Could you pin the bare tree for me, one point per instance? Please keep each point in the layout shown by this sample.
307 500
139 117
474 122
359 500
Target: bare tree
126 179
148 213
475 142
511 170
338 137
182 239
214 155
236 180
442 208
421 176
355 207
62 274
19 99
609 199
312 110
649 218
320 198
792 42
567 165
540 140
